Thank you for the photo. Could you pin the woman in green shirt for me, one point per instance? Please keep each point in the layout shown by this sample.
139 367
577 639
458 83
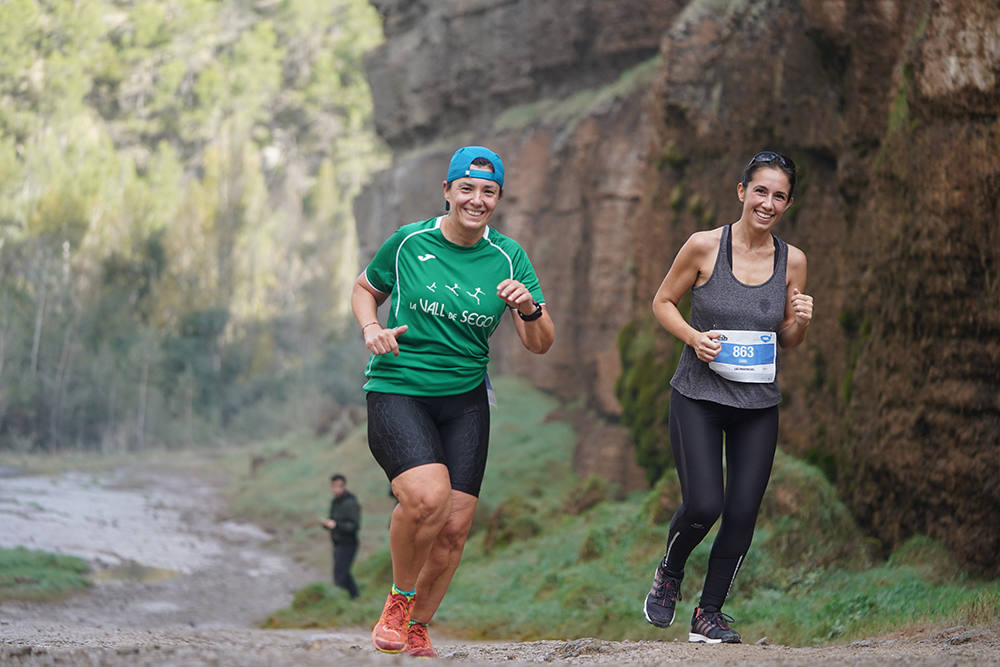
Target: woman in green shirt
450 279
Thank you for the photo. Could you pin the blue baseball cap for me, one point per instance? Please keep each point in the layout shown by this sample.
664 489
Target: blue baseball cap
461 164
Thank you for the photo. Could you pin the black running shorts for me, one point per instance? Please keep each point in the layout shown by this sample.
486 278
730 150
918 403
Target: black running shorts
408 431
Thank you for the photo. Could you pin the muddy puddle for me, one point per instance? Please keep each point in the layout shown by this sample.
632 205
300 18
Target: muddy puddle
79 514
158 550
116 522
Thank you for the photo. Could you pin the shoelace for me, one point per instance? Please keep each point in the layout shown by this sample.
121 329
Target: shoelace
718 618
395 612
661 583
419 636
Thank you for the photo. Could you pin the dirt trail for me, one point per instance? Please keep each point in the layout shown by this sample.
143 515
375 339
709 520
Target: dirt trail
177 586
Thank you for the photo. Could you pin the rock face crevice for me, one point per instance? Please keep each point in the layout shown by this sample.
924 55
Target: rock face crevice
889 108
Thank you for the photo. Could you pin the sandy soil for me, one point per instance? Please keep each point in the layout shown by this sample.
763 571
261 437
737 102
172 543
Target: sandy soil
177 586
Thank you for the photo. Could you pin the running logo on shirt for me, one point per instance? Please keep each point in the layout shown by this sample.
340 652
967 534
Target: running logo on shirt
424 258
475 295
440 310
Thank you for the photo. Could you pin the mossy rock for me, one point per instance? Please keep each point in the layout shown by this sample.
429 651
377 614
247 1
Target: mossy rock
806 521
663 500
588 493
929 555
513 521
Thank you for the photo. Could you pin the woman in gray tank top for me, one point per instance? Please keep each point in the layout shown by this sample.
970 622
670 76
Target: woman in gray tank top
747 300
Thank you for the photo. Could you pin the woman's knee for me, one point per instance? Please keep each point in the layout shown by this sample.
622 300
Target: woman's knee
424 495
456 529
744 517
702 513
426 505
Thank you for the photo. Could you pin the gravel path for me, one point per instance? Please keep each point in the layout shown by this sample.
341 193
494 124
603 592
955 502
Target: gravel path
48 644
177 586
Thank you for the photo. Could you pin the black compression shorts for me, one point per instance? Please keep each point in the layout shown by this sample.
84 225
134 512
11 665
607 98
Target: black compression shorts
408 431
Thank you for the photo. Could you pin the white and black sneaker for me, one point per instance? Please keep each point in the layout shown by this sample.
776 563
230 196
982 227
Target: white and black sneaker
661 599
712 627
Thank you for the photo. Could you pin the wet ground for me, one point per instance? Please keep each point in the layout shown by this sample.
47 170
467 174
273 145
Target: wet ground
177 585
158 551
111 520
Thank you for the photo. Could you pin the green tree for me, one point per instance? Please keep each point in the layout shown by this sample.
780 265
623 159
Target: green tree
176 231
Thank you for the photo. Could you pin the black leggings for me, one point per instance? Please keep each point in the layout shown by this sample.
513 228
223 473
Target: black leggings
408 431
696 437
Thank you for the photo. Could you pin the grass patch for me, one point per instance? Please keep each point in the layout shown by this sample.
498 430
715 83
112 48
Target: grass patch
554 556
564 112
27 574
315 605
287 491
838 606
899 112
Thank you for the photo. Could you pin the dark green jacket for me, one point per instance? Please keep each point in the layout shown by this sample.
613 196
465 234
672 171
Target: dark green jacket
346 511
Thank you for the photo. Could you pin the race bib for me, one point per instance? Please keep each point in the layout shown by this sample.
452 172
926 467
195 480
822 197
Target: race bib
746 356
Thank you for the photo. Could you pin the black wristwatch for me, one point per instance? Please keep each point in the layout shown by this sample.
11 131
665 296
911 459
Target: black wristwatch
534 316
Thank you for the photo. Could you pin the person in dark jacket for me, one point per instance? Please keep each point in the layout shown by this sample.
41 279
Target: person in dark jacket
343 524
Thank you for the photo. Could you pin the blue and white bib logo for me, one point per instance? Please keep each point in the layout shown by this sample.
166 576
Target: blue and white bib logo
746 356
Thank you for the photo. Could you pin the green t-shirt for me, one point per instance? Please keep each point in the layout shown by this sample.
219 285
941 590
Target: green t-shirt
447 295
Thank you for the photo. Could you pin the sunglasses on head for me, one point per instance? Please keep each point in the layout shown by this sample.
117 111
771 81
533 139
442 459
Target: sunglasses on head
769 157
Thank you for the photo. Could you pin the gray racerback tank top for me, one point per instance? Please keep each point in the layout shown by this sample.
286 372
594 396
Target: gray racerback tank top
723 302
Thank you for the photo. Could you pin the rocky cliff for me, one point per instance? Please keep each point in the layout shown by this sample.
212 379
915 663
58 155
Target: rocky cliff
624 127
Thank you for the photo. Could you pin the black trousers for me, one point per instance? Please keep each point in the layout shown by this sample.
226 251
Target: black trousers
343 558
696 438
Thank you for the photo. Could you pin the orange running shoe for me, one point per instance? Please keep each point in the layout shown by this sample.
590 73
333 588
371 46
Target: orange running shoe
418 644
389 633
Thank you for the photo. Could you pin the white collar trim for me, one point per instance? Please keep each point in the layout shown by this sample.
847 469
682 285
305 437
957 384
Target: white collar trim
437 225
